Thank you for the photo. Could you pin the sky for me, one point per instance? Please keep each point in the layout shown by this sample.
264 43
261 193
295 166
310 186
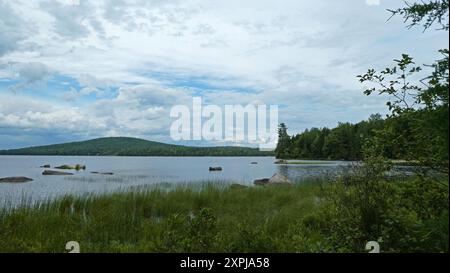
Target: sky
76 70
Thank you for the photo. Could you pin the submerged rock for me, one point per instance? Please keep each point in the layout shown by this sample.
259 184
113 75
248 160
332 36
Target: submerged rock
102 173
254 163
49 172
16 179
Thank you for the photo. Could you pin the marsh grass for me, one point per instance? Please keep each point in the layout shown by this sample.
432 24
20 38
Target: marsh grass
312 216
153 219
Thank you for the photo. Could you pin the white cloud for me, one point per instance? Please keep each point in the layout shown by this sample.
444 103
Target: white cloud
28 74
150 55
13 29
131 116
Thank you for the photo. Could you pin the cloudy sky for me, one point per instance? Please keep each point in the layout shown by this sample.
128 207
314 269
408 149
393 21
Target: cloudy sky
75 70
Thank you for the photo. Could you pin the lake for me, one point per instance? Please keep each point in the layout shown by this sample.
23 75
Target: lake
140 171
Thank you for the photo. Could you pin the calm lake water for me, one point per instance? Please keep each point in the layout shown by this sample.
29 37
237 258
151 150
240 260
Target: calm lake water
140 171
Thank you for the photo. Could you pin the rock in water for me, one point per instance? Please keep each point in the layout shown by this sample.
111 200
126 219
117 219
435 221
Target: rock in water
102 173
46 166
48 172
17 179
69 167
276 179
80 167
261 182
64 167
281 161
215 169
279 179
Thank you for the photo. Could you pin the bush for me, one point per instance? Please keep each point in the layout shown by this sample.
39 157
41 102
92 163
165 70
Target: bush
402 215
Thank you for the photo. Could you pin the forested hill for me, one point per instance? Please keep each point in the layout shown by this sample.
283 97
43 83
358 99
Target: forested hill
124 146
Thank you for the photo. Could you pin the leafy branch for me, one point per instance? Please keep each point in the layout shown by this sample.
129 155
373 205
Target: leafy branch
394 82
432 12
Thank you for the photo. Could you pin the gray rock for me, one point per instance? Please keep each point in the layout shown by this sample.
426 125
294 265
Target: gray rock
276 179
261 182
69 167
49 172
279 179
102 173
16 179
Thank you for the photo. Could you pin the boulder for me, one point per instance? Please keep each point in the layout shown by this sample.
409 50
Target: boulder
16 179
261 182
215 169
64 167
49 172
69 167
279 179
276 179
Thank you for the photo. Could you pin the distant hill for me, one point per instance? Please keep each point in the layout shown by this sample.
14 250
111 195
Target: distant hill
126 146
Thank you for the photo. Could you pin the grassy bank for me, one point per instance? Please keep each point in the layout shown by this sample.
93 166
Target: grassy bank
309 217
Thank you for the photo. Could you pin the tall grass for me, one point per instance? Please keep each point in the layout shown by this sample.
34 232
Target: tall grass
150 219
208 217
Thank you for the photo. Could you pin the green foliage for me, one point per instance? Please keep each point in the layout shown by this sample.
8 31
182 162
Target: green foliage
283 141
403 216
393 82
344 142
189 233
422 107
124 146
436 94
433 12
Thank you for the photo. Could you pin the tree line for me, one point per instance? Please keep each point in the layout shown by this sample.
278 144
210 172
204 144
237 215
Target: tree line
343 142
421 130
